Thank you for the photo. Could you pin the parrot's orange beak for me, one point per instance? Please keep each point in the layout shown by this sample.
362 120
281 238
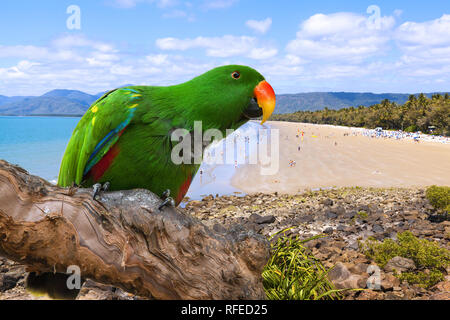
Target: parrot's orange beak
265 96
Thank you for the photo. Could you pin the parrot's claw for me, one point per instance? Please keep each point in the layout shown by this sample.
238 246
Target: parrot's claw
106 186
98 187
167 202
165 194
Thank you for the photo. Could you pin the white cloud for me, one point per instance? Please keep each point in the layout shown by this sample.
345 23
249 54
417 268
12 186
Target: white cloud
125 3
23 51
158 59
221 47
398 12
71 41
18 71
219 4
293 60
121 70
102 59
133 3
414 35
425 47
262 53
84 64
341 36
260 26
225 46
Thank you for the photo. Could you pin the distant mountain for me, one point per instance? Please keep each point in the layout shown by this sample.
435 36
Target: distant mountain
73 102
4 99
73 95
55 102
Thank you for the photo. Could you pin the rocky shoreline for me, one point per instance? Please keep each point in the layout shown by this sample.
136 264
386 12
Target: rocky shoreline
343 216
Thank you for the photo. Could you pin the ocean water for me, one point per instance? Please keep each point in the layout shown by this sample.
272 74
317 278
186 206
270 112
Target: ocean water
37 144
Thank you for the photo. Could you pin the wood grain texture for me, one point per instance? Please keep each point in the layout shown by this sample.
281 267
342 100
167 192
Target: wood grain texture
125 241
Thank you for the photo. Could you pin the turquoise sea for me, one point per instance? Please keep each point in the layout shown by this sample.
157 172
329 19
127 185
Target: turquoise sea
37 144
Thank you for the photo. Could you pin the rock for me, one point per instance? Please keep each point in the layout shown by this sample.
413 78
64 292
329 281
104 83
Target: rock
377 228
399 264
440 296
394 295
339 272
412 214
343 279
327 202
307 218
219 228
364 208
257 227
195 204
350 214
256 218
328 230
13 273
389 281
339 210
443 286
353 245
7 282
330 215
359 268
96 291
370 295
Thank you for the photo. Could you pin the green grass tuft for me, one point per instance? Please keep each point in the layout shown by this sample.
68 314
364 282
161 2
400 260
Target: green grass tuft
293 273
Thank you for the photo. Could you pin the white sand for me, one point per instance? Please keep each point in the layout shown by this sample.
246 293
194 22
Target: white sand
354 161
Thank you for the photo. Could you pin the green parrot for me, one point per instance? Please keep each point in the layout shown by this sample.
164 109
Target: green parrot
124 139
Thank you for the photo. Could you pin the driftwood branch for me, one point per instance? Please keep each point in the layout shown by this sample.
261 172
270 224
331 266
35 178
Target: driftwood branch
125 241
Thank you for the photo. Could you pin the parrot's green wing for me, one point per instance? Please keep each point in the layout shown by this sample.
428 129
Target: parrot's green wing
97 132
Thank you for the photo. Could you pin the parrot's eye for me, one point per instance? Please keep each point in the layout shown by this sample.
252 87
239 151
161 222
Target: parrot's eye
236 75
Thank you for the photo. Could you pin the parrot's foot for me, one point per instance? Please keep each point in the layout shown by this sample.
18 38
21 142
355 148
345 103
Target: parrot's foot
167 201
99 187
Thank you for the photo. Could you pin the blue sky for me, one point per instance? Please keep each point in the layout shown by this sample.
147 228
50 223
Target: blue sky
299 46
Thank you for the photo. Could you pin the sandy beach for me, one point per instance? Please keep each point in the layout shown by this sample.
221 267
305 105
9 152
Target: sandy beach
332 156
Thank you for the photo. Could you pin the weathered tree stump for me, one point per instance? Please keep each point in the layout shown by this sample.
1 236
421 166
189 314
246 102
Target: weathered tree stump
125 241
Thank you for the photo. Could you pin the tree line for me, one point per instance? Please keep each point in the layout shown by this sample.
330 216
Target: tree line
419 113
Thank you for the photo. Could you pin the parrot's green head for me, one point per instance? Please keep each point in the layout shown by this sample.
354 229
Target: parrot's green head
229 96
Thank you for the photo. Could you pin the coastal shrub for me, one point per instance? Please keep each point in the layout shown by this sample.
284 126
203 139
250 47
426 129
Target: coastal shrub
412 128
423 279
439 198
430 259
293 273
416 114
